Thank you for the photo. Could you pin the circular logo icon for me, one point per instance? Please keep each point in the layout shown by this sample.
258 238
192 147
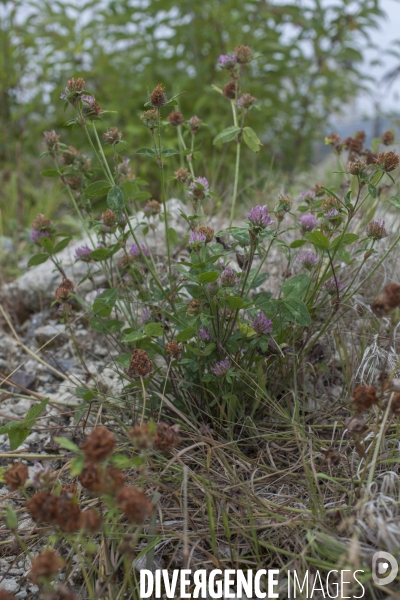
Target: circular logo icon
384 568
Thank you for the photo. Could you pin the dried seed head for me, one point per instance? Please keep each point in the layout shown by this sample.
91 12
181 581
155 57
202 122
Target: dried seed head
370 157
109 218
361 135
150 118
51 141
387 300
176 118
101 481
90 108
75 85
68 515
388 161
70 490
208 232
134 504
243 54
99 445
43 507
388 138
376 230
45 567
182 175
174 349
357 167
112 136
152 207
16 476
141 364
41 222
246 101
157 96
194 307
91 521
330 203
333 139
194 124
64 290
229 90
70 155
142 437
364 397
353 144
285 203
167 437
73 182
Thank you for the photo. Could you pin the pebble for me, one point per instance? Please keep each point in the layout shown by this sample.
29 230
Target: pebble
22 594
9 585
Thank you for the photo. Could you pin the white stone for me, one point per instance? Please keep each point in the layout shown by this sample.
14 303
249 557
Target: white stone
9 585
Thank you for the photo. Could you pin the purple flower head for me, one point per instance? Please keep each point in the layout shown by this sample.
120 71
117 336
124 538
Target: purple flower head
227 61
204 334
37 234
330 285
196 240
307 196
82 253
124 168
308 260
333 215
146 316
376 230
135 251
259 217
261 324
43 476
308 222
199 188
228 278
221 368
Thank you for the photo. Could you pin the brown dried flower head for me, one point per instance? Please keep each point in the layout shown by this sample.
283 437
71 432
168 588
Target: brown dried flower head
246 101
69 490
229 90
207 231
150 118
99 445
41 222
176 118
370 157
64 290
98 480
167 437
194 307
357 167
157 96
73 182
353 144
134 504
141 364
70 155
194 124
243 54
16 476
75 85
142 436
330 203
388 138
387 300
389 161
174 349
152 207
318 190
112 136
91 521
43 507
376 230
109 218
364 397
285 203
68 514
333 139
182 175
45 567
51 141
361 135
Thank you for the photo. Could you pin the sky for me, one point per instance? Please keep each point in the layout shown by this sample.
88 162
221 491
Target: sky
385 95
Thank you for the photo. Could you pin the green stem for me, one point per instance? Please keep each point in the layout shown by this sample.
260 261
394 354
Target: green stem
105 162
